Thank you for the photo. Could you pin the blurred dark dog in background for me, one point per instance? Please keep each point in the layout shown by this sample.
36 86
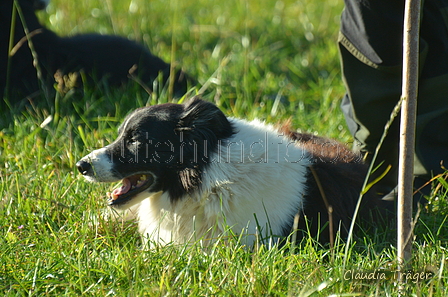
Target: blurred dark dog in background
110 58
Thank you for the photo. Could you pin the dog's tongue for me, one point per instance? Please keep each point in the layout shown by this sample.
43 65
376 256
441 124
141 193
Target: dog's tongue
124 188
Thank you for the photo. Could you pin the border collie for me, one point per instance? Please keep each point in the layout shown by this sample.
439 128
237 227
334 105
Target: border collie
107 57
189 172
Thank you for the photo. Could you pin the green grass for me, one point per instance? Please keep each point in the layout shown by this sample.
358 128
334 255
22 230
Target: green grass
272 60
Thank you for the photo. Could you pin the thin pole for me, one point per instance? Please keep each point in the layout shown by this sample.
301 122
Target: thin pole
407 131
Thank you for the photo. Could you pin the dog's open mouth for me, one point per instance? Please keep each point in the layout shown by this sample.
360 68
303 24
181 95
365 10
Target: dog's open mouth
131 186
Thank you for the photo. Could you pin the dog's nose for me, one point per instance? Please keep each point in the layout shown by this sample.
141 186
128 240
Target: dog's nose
84 167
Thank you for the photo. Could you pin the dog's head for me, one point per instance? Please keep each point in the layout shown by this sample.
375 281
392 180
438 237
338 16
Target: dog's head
159 148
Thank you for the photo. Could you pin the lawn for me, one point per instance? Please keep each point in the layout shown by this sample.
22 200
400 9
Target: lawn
273 60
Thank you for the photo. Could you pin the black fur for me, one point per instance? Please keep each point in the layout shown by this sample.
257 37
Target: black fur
340 172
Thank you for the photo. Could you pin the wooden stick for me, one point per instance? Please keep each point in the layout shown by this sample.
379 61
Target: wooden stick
407 131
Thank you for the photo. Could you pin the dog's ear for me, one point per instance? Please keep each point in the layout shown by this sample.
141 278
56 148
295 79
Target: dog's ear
201 126
202 120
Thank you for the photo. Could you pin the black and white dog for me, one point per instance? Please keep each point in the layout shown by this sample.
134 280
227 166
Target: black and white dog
190 172
101 57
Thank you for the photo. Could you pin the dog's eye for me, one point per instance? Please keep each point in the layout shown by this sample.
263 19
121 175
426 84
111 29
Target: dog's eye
132 141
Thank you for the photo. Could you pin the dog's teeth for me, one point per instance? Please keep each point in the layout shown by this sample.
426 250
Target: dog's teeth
141 180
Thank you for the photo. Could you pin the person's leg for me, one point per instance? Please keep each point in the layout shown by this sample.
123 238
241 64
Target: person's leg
371 56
